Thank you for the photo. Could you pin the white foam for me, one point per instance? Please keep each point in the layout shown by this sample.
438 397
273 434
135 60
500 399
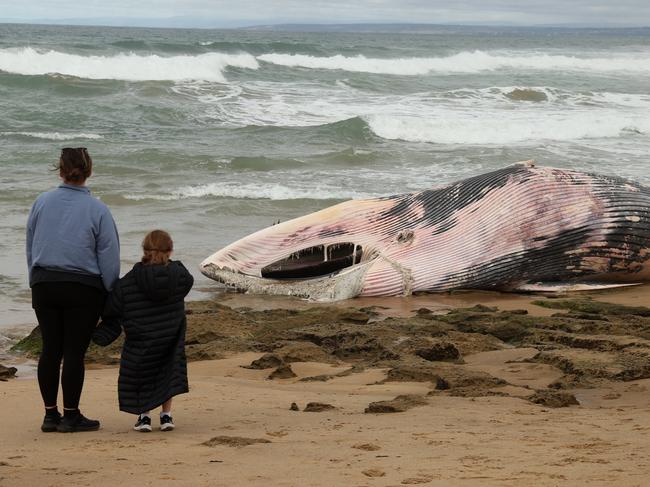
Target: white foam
509 127
251 191
463 62
55 135
132 67
464 116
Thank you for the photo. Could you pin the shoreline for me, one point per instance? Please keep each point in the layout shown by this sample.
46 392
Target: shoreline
385 307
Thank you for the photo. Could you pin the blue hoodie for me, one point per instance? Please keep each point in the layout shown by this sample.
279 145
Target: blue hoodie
69 230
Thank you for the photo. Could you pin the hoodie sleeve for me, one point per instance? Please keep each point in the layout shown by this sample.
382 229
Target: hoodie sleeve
108 250
186 281
110 327
29 237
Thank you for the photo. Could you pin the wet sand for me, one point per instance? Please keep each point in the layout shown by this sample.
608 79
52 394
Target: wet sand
480 396
500 441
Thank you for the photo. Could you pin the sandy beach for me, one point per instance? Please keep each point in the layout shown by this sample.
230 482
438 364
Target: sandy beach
412 394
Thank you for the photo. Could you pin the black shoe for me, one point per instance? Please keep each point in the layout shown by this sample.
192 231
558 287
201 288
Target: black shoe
166 423
143 424
77 423
50 423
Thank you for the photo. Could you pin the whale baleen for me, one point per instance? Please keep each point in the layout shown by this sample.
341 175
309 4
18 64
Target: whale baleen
520 227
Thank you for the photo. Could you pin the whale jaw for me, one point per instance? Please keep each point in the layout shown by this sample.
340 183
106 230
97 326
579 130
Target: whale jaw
345 284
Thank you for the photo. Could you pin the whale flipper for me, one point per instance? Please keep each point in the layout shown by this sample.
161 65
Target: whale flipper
570 286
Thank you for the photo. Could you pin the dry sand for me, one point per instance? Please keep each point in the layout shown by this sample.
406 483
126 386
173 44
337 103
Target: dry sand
236 427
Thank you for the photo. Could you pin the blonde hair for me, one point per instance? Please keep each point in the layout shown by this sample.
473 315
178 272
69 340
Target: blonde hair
157 247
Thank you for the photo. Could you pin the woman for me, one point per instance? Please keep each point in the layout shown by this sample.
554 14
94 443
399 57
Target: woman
73 256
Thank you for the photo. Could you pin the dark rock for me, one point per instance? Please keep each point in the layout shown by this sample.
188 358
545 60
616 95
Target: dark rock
317 378
317 407
483 309
412 373
515 312
266 361
397 405
553 399
508 332
282 372
294 407
439 351
354 316
7 372
593 307
205 336
302 352
31 345
442 384
527 94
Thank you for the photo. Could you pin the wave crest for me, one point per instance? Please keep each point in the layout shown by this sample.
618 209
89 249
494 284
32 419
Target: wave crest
480 130
130 67
463 62
53 135
251 191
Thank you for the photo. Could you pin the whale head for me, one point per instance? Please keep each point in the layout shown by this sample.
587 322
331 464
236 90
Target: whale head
322 256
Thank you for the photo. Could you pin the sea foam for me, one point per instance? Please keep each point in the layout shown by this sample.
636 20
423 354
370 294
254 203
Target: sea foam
54 135
131 67
251 191
463 62
481 129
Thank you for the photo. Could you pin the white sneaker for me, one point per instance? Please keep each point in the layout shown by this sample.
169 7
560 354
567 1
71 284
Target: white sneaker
166 423
143 424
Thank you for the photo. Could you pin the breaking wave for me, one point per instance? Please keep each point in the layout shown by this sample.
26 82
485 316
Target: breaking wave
131 67
53 135
463 62
474 129
210 66
251 191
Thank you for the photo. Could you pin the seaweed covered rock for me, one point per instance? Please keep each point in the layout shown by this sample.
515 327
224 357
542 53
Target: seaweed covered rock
439 351
282 372
553 399
31 345
397 405
266 361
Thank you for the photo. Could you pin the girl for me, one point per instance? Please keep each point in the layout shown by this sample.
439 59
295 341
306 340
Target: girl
148 304
73 257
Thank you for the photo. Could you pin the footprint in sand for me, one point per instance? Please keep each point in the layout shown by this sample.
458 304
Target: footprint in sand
366 447
424 479
374 472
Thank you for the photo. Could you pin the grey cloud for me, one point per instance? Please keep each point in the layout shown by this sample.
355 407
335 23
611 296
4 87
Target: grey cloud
599 12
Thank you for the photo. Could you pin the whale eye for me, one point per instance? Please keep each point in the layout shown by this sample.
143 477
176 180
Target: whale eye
405 236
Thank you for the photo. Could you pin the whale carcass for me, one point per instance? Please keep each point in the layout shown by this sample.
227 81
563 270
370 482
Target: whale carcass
514 228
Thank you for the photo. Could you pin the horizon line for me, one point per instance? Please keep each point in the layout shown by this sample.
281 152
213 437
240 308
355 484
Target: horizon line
237 25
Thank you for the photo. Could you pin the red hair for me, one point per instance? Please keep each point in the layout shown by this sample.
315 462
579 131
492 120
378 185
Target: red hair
157 246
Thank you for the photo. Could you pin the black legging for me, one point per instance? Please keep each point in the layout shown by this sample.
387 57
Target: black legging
67 314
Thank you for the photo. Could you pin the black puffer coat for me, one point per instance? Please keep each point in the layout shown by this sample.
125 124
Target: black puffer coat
148 304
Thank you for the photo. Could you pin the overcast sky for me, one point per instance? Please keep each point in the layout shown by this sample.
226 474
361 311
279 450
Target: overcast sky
221 13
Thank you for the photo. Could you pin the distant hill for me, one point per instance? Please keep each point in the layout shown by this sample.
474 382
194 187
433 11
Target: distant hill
401 28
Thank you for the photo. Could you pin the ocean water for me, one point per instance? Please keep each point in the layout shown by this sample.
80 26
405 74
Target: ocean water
214 134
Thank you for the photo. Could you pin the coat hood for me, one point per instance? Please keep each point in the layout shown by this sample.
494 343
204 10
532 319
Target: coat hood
160 282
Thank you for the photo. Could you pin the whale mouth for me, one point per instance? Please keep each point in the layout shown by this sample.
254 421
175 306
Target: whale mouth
316 261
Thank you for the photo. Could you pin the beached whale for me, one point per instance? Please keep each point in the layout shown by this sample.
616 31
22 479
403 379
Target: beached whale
521 227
